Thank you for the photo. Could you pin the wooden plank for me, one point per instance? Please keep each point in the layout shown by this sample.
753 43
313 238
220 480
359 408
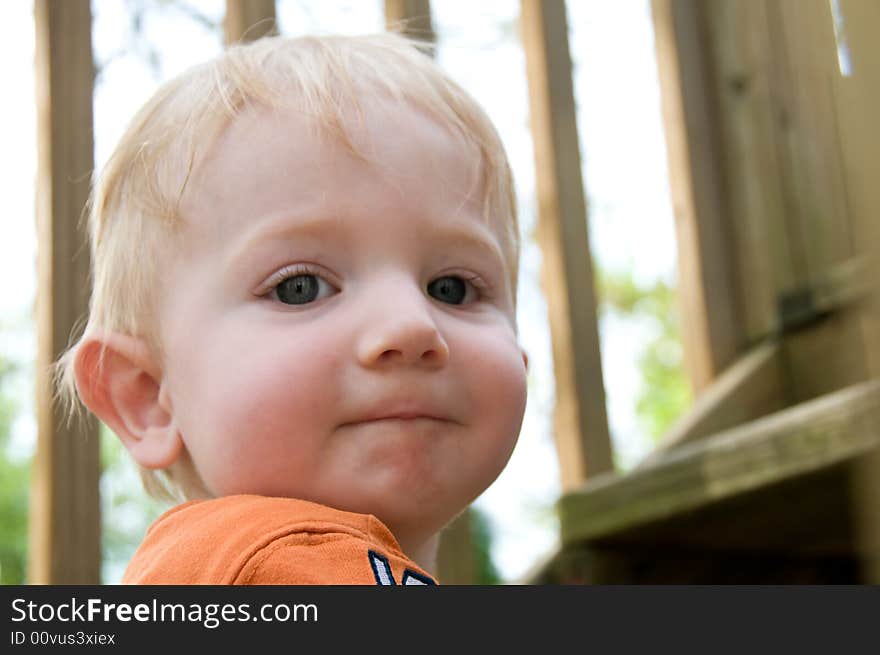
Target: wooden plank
805 69
249 20
861 147
847 285
785 168
857 101
816 173
825 357
763 76
411 18
766 263
712 335
798 530
64 512
792 443
858 105
581 423
798 179
793 185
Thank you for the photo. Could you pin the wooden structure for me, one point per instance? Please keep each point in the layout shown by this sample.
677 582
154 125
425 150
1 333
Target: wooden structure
773 475
581 423
65 517
249 20
411 18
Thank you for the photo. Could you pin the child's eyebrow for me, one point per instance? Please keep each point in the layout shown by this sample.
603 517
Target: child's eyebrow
477 239
287 229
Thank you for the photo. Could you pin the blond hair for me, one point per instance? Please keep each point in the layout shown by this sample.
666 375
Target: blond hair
133 210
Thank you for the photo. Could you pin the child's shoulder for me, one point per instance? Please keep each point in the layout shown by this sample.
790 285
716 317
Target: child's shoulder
261 540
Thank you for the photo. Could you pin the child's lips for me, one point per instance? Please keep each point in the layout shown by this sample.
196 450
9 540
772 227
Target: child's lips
398 415
400 419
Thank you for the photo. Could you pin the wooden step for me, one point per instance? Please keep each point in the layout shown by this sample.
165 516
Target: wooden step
769 501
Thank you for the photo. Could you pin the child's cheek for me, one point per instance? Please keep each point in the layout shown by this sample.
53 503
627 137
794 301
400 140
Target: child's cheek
497 384
238 395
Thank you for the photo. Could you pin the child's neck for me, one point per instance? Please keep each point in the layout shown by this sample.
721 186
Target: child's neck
424 554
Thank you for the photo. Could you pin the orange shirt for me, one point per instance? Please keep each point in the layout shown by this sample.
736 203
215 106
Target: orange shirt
251 540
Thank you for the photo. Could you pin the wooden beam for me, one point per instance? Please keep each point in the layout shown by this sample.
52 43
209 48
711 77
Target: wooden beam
581 423
808 438
757 168
766 259
861 21
249 20
411 18
858 105
803 65
771 501
794 155
711 332
825 356
64 512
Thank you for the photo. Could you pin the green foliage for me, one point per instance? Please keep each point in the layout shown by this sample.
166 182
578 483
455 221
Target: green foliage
665 392
126 509
14 484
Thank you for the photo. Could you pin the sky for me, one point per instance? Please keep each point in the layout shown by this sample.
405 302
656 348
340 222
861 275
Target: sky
624 172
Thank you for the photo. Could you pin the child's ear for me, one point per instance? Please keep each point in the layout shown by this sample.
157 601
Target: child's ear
525 357
119 379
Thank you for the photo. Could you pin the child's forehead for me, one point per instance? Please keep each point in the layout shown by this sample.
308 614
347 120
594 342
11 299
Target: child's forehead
365 126
377 137
381 142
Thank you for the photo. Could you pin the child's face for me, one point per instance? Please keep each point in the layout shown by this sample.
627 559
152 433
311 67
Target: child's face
323 337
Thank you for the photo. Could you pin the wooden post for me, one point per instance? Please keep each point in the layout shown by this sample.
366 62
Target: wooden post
581 423
64 512
858 105
861 22
249 20
705 285
411 18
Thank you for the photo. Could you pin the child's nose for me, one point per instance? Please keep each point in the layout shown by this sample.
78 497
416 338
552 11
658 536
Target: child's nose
402 331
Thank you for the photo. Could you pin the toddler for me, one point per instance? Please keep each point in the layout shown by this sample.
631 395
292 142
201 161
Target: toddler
302 319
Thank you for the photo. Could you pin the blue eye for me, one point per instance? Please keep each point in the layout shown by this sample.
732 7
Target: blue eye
298 289
300 286
449 289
